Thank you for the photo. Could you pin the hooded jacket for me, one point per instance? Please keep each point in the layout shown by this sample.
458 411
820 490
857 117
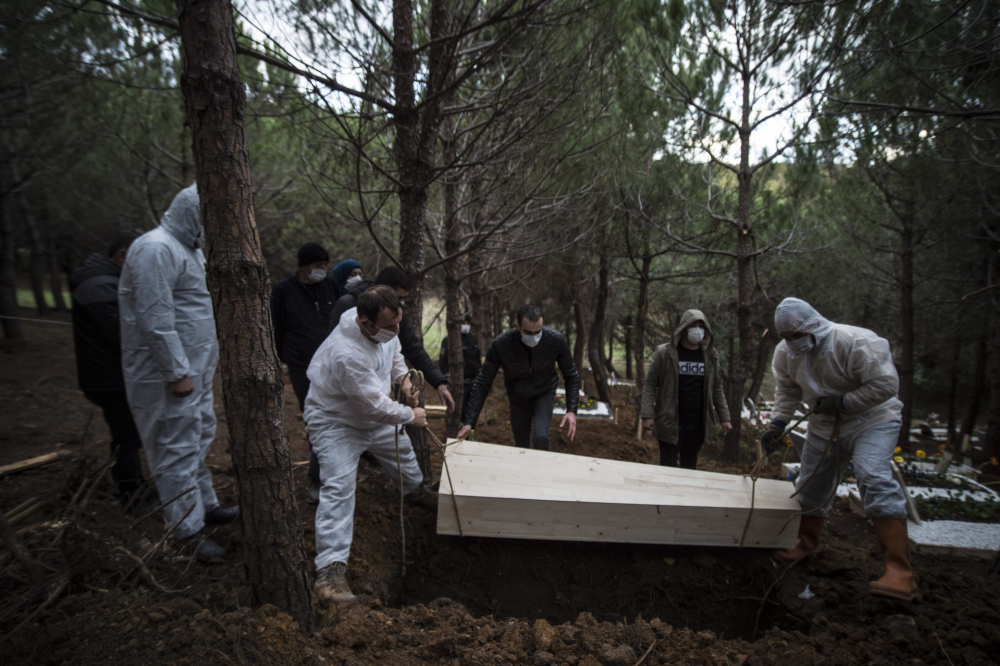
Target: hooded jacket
300 314
96 335
413 349
167 322
847 362
659 392
527 373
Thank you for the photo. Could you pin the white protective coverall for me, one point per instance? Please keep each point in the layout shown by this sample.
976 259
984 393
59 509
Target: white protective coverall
349 411
856 364
168 333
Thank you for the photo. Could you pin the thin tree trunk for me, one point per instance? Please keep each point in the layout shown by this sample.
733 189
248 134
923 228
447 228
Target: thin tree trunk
991 441
626 325
36 264
55 282
609 359
596 342
978 389
641 315
581 338
13 332
905 357
956 370
744 282
215 100
452 279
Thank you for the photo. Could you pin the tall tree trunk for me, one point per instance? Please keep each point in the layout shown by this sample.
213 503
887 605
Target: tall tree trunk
36 265
55 283
953 394
641 315
905 356
215 99
626 325
764 348
13 332
609 359
978 388
991 441
581 338
452 279
596 342
744 282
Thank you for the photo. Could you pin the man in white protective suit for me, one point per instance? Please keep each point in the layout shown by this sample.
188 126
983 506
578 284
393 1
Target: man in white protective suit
169 357
846 375
348 411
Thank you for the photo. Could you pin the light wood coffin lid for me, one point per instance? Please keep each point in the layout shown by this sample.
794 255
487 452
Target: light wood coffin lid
671 505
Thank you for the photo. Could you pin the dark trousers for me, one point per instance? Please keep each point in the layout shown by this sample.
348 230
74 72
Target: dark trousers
125 441
687 447
530 421
466 394
300 384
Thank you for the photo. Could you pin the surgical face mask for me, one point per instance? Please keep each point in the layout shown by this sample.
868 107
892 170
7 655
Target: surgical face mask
531 340
695 335
353 279
802 345
317 275
466 328
383 334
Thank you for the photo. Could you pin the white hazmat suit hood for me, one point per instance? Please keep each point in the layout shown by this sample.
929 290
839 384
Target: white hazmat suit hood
847 361
168 333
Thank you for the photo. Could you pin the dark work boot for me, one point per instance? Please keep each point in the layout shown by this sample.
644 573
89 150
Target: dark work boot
331 584
810 528
220 516
205 548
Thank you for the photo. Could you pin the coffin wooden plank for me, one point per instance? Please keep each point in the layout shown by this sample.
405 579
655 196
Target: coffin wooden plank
504 491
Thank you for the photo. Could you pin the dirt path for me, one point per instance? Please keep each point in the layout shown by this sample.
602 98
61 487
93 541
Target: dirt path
462 601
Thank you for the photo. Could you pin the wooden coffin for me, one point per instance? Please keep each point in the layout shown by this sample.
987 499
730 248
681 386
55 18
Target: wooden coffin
503 491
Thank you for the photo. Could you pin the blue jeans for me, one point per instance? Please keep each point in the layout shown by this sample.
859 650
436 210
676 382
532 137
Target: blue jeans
530 420
870 448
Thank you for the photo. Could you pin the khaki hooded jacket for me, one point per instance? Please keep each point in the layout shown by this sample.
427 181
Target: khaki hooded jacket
659 392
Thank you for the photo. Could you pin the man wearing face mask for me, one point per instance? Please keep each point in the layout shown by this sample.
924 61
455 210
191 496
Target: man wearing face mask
470 356
350 410
847 375
683 393
528 355
300 308
169 357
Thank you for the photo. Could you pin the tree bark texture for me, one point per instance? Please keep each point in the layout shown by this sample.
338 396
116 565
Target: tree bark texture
905 356
274 548
36 264
596 341
452 281
991 441
641 316
13 332
764 349
956 371
581 338
626 327
55 282
744 281
978 388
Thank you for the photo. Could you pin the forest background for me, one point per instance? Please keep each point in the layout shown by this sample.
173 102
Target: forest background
616 162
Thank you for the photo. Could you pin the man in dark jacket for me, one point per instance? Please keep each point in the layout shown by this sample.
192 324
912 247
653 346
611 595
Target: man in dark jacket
97 338
413 350
470 357
300 308
528 354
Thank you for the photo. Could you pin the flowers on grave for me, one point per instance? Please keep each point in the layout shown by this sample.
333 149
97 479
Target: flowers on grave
941 447
898 459
921 453
899 450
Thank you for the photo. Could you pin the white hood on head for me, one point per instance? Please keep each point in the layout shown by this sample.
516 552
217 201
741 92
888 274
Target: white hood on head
183 219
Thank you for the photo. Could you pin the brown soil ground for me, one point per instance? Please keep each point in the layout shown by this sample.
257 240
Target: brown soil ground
462 601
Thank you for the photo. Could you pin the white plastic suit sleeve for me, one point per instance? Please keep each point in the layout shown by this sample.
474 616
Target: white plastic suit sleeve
787 392
370 400
398 364
870 361
153 298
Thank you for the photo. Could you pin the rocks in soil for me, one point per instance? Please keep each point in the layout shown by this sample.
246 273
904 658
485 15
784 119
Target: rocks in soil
623 655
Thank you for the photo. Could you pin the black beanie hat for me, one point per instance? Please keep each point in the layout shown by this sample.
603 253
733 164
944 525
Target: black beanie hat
312 252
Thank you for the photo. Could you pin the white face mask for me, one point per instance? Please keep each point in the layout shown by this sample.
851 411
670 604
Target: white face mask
802 345
317 275
695 335
466 328
353 279
531 340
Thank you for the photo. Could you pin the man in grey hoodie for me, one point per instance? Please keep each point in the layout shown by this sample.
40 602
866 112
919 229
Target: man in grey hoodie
683 392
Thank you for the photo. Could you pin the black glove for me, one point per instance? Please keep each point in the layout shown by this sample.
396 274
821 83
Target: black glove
829 406
771 439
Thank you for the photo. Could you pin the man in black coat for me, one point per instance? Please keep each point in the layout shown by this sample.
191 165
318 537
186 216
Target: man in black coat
471 361
97 338
413 350
300 308
528 354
